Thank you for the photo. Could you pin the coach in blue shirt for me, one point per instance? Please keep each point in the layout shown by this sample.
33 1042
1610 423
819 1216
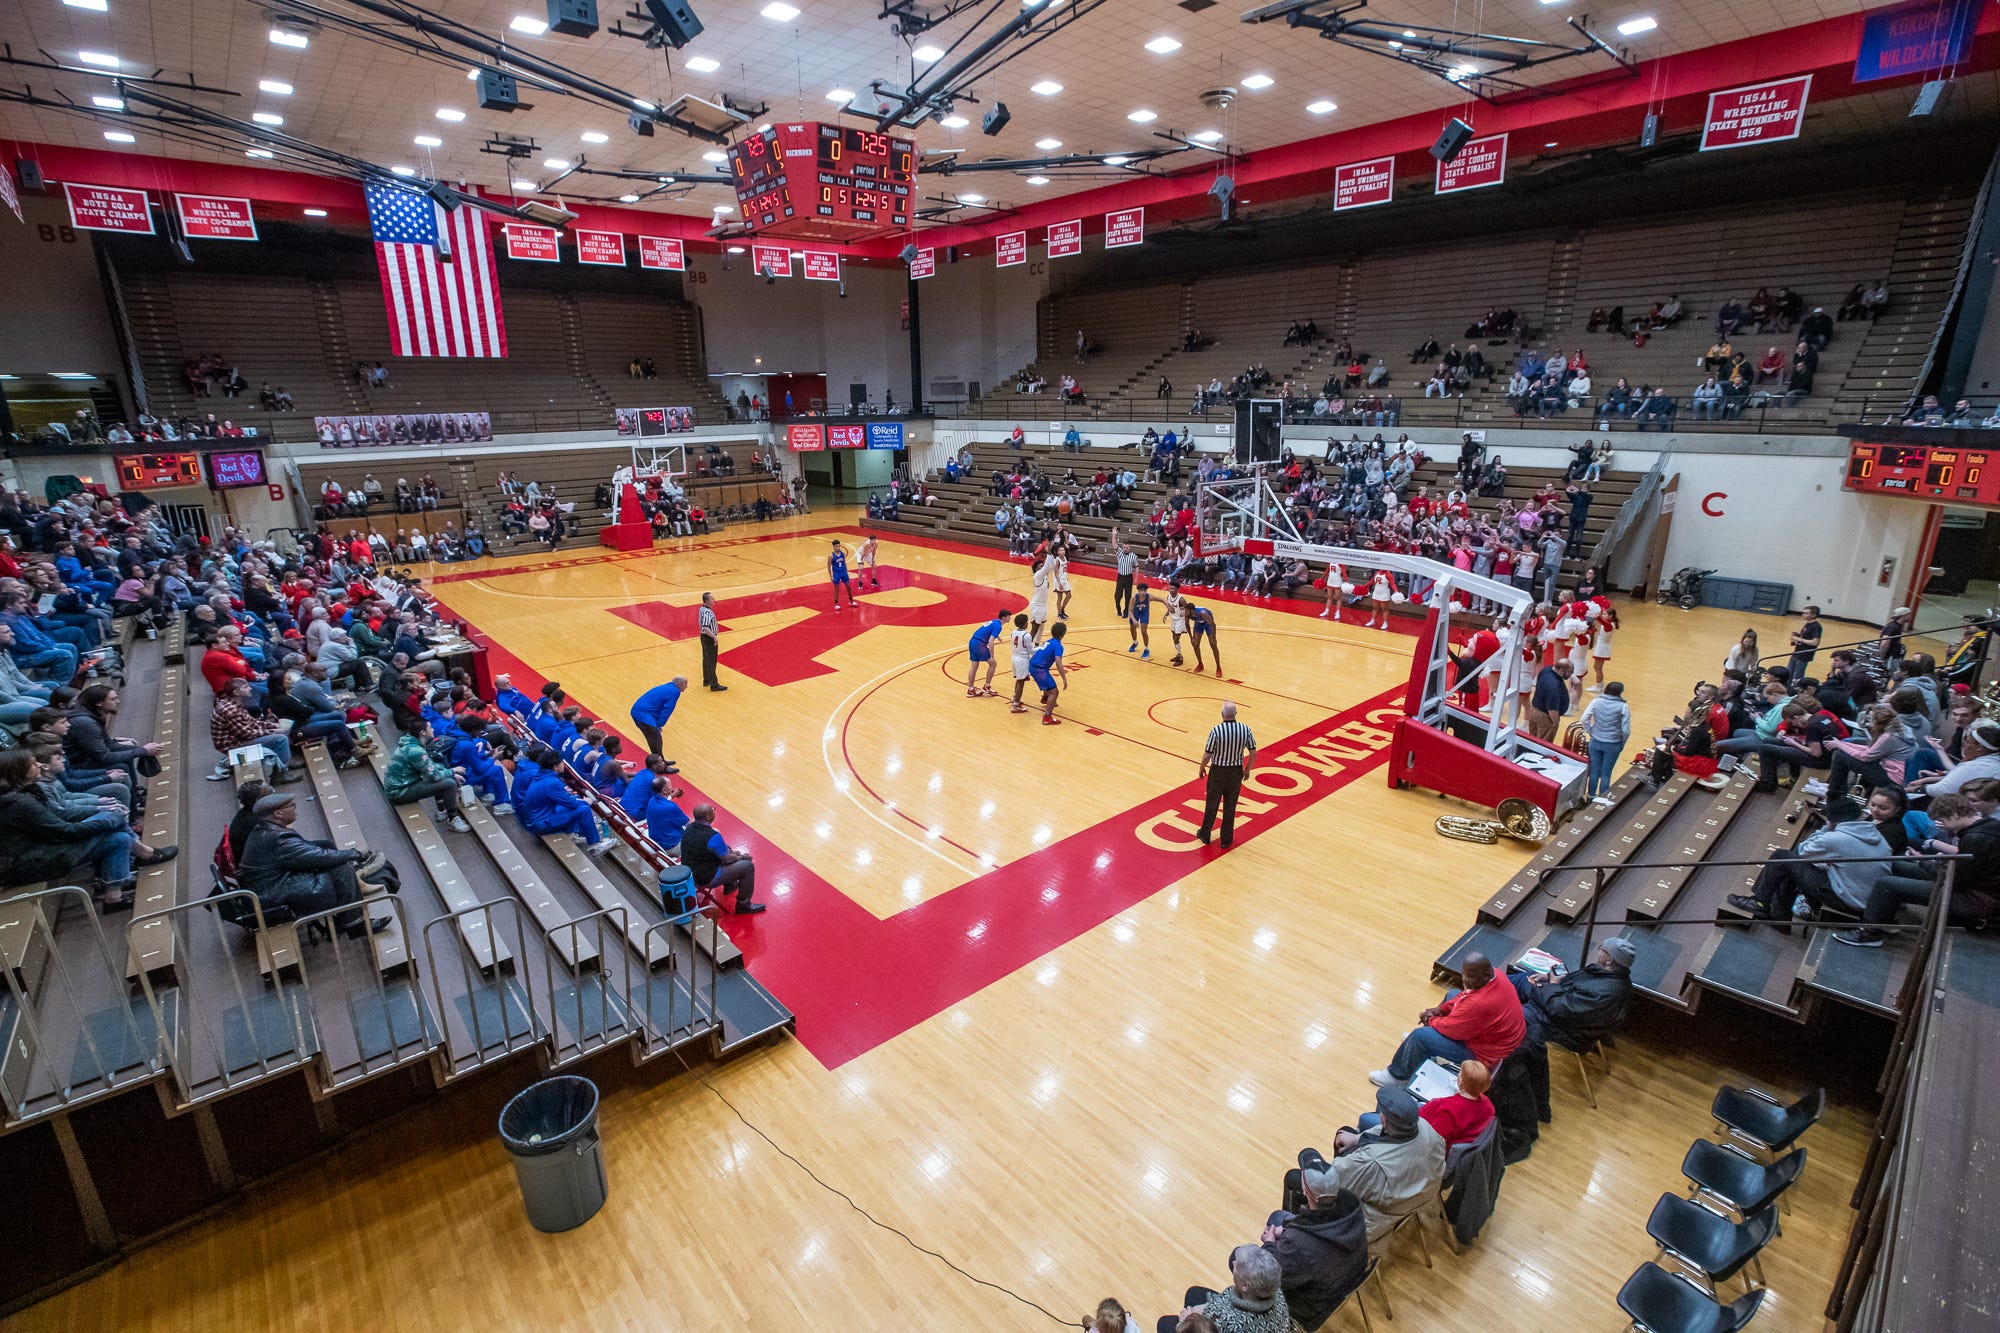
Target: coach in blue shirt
654 707
715 864
1551 700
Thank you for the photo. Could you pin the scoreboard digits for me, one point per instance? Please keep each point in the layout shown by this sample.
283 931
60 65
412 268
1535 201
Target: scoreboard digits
860 182
139 471
1924 472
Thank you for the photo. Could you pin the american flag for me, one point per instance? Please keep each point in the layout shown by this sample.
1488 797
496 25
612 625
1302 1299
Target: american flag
440 286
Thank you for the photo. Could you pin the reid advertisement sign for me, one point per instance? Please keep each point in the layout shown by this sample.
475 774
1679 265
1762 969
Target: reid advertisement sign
821 265
1482 162
885 435
213 217
1125 226
662 252
922 265
1364 184
108 208
1761 113
1065 239
1011 249
805 439
527 241
601 247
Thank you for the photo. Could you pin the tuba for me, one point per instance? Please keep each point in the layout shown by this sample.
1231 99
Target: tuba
1520 819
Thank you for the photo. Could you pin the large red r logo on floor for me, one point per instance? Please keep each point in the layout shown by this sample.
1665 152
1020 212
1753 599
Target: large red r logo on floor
791 652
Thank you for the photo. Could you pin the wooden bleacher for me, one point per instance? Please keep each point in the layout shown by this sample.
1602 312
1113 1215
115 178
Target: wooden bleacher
488 951
153 951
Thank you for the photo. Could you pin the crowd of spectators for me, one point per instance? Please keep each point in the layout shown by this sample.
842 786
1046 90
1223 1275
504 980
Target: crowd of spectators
211 375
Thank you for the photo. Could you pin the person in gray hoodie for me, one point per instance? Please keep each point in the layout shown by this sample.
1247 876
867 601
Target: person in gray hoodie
1895 732
1607 720
1813 873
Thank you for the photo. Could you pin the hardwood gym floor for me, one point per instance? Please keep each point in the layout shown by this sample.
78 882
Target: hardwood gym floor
1035 1033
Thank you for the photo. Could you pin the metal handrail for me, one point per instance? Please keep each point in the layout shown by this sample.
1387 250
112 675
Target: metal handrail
611 945
1628 513
508 1043
688 921
377 986
19 1098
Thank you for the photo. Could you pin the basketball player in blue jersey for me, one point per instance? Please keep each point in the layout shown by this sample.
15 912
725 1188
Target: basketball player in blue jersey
1047 657
980 649
836 570
1201 625
1137 613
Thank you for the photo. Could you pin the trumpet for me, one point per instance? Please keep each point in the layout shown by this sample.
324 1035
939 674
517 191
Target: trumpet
1520 819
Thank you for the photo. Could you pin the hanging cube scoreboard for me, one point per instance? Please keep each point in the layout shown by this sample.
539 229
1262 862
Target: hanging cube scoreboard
823 182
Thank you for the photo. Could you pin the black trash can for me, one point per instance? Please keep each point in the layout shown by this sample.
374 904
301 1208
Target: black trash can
550 1130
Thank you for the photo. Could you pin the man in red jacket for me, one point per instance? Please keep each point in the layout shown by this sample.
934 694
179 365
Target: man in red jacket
1482 1022
224 662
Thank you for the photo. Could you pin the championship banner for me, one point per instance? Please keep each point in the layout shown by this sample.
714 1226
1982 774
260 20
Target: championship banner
108 208
1761 113
885 435
1065 239
601 247
527 241
805 439
1126 226
773 261
821 265
1482 162
662 252
1011 249
214 217
376 430
922 265
652 421
10 196
847 437
1364 184
1915 38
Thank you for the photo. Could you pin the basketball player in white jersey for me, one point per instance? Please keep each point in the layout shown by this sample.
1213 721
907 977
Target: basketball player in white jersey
1038 601
1056 567
1176 618
1024 648
866 560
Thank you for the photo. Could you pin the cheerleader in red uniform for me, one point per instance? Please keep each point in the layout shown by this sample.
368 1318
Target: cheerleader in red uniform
1337 587
1604 624
1381 591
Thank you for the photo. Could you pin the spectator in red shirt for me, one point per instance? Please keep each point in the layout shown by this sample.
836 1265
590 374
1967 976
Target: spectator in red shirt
1482 1022
224 662
1460 1118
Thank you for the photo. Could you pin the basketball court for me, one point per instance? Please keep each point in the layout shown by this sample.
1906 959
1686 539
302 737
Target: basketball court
1040 1029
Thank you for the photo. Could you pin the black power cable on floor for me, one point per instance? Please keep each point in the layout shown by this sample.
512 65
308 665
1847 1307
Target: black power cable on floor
843 1197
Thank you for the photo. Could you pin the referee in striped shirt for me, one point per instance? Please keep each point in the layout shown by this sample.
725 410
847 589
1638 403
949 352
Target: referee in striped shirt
1225 762
709 631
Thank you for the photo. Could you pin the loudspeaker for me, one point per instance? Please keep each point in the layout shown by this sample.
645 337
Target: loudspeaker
1649 133
675 21
573 18
951 254
907 253
497 91
1929 96
30 172
996 119
1452 141
641 123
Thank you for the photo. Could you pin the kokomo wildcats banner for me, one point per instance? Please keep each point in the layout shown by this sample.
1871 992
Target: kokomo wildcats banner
1482 162
1761 113
1364 184
662 252
1065 239
527 241
820 265
1127 226
211 217
601 247
108 208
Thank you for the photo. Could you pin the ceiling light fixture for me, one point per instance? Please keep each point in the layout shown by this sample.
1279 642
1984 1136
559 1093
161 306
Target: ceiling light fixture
780 12
954 122
1047 88
1207 136
840 95
1163 46
1633 27
1048 145
556 163
108 103
526 187
278 86
925 55
528 25
1321 107
1550 144
257 152
714 155
315 212
1142 116
628 198
449 113
592 136
270 118
1116 160
737 250
404 171
291 37
725 208
1038 180
119 136
972 199
99 5
1258 82
702 64
429 141
98 58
